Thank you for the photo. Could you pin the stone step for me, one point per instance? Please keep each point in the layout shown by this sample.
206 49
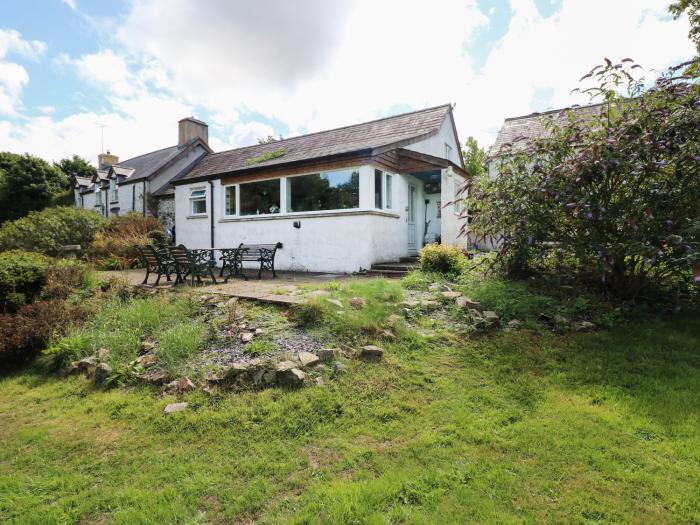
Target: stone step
387 273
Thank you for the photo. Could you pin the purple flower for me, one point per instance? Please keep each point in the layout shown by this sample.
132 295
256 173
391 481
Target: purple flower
660 253
669 222
697 279
589 215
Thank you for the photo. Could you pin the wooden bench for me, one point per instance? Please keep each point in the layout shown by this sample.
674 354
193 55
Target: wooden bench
233 258
156 261
193 263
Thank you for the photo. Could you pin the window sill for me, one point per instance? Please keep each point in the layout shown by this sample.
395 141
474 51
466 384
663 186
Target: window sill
198 216
309 215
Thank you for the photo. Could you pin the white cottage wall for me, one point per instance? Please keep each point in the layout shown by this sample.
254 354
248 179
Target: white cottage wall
435 145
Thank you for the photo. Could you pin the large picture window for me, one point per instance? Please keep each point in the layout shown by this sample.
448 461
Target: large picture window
332 190
259 198
198 201
230 198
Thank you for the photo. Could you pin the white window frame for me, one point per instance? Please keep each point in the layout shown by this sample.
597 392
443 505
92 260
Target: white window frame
194 199
283 197
286 190
448 151
388 193
223 200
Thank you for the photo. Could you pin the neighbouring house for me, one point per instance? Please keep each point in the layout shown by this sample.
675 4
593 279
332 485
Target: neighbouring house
338 200
142 184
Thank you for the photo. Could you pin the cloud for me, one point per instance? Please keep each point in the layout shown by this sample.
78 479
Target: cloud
71 3
11 42
107 70
13 77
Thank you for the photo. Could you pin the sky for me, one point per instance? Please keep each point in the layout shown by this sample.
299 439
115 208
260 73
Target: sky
77 74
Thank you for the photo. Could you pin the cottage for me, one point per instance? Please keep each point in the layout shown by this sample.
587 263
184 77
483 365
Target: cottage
337 200
142 184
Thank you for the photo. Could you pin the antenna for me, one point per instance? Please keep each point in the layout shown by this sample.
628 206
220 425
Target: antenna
102 135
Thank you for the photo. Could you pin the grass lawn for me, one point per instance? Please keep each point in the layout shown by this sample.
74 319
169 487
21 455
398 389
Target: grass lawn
504 428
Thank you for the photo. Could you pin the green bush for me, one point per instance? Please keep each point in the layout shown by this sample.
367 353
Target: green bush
117 246
441 258
22 275
48 230
158 238
65 277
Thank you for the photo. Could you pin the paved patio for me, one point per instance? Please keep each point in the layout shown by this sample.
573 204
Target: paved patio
287 288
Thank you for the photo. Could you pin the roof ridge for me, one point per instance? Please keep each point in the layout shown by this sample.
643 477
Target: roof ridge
550 111
143 155
335 129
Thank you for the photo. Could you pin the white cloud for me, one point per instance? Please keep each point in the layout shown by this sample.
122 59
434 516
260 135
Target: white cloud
11 42
71 3
13 77
107 70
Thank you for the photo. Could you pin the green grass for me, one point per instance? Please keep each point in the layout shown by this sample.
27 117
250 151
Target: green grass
177 343
509 428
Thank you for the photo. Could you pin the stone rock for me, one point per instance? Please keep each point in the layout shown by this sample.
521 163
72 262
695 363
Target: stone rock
466 302
514 324
291 377
429 304
155 377
339 369
328 354
102 372
319 293
174 407
148 346
247 337
259 331
561 321
411 304
233 301
371 353
308 359
214 378
146 360
451 295
583 326
358 303
491 318
284 366
180 385
73 368
435 287
103 354
335 302
319 381
388 334
393 319
87 363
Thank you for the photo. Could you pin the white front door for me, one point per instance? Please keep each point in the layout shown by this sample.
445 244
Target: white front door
411 220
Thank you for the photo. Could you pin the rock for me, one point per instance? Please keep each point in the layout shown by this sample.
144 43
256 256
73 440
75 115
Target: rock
561 321
214 378
491 318
319 381
435 287
148 346
155 377
451 295
233 301
328 354
291 377
393 319
429 304
247 337
146 360
259 331
103 354
73 368
466 302
476 314
174 407
319 293
411 304
87 363
180 385
335 302
284 366
388 334
308 359
358 303
514 324
339 369
371 353
102 372
583 326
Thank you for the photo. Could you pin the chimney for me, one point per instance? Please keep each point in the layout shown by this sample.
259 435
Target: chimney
190 128
104 160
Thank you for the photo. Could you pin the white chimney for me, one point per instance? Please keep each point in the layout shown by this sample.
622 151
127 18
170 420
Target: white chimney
190 128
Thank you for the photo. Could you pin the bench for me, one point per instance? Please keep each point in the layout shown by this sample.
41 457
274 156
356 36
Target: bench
233 258
193 263
156 261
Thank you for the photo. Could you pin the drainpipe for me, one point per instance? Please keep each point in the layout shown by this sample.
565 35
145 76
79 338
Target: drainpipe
144 198
133 197
211 213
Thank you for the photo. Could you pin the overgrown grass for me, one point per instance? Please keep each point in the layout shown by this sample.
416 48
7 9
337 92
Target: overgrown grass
514 427
179 342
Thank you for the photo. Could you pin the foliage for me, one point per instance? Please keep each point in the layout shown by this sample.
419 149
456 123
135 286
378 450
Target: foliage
65 277
157 238
48 230
270 139
22 275
474 158
178 343
268 155
614 194
76 166
117 246
22 336
27 183
692 9
441 258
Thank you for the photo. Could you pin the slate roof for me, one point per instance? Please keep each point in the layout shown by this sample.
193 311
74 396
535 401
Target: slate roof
396 130
167 189
517 131
147 164
82 182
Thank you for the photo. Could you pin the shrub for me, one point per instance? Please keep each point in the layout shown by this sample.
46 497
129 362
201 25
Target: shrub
22 275
67 276
158 238
441 258
23 335
117 246
47 231
615 193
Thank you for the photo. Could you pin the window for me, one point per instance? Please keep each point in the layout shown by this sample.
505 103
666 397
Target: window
258 198
230 200
332 190
115 195
448 151
439 209
389 193
198 201
378 189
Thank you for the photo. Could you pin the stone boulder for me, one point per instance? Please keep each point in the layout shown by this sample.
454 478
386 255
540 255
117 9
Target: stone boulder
291 377
451 295
491 318
328 354
146 360
147 346
174 407
371 353
102 372
180 385
582 326
308 359
465 302
339 369
358 303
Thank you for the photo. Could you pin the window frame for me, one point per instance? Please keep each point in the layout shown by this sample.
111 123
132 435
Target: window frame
448 151
193 199
238 198
287 195
235 204
388 191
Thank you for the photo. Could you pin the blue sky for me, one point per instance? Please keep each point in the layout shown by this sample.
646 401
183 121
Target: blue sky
274 67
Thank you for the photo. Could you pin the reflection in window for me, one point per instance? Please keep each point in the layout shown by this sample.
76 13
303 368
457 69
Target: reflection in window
230 195
198 201
332 190
389 193
261 197
378 189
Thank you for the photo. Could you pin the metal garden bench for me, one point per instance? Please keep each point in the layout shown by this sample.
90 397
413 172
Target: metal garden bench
156 261
193 263
233 258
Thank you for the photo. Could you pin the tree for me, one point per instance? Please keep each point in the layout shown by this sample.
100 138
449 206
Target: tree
27 183
75 166
474 158
692 8
269 139
616 196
